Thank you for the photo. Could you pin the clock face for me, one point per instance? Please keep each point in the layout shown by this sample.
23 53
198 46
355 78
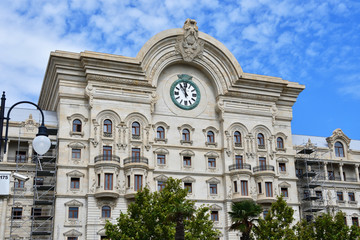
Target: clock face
185 94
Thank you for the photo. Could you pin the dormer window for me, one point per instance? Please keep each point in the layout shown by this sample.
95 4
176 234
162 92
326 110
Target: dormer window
261 141
237 139
77 125
339 149
107 128
280 143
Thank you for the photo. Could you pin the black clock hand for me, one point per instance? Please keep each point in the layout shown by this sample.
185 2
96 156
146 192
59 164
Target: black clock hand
184 90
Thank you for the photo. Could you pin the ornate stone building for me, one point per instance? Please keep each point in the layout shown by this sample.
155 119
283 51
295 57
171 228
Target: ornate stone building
182 108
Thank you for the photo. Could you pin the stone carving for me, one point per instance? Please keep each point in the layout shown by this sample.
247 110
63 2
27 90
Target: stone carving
92 189
154 99
89 91
338 134
30 124
274 112
189 45
95 140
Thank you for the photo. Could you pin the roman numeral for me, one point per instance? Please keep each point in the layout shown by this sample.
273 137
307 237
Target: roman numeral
194 94
192 90
181 101
193 99
177 88
185 102
177 97
176 93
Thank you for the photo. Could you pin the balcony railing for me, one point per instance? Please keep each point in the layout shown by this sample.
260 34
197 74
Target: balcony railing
264 168
136 159
261 146
107 158
245 166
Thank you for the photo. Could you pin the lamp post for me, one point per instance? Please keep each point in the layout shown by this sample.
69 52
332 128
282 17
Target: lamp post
41 142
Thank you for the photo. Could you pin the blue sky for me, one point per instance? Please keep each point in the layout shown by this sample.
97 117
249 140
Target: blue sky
316 43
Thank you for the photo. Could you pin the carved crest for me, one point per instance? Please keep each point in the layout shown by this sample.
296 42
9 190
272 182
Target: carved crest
189 45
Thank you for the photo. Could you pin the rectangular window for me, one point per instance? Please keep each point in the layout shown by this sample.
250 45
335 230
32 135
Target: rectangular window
213 188
235 186
74 212
106 212
351 196
19 184
188 186
99 179
282 167
344 175
39 181
76 153
355 221
268 186
161 159
284 192
17 212
215 216
265 213
244 188
108 181
239 161
135 154
262 163
75 183
21 156
107 152
340 196
331 175
138 182
187 161
318 194
211 162
128 181
161 185
259 187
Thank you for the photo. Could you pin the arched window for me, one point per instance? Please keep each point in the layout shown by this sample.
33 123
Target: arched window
107 126
185 135
106 212
280 143
210 137
237 138
160 133
77 125
135 129
261 142
339 149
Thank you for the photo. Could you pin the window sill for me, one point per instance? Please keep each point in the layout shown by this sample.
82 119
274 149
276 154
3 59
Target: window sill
211 144
161 140
183 142
76 133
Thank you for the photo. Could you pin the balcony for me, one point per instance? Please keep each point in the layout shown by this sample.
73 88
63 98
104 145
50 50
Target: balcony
240 168
237 197
108 160
100 192
264 170
262 198
136 161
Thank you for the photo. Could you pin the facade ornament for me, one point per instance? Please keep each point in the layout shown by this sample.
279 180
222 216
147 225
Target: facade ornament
154 99
221 109
189 45
92 189
147 131
338 134
274 112
30 124
95 140
89 91
228 137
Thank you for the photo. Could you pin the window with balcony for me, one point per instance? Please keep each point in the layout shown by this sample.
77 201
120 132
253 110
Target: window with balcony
187 161
213 188
279 143
17 213
108 181
235 187
107 152
107 128
75 153
161 185
135 154
75 183
239 161
340 196
161 160
135 127
76 126
284 192
261 141
351 196
138 182
339 149
20 156
282 167
160 133
210 137
211 162
19 184
188 186
186 135
268 187
73 212
355 221
105 212
244 188
215 216
237 139
262 163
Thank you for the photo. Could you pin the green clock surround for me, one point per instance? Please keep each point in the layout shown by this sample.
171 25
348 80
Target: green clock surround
187 80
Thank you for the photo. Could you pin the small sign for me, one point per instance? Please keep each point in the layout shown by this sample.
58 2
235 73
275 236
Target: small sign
4 183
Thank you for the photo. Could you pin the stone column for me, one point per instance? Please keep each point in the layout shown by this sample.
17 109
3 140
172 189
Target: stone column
357 172
3 217
326 171
5 156
341 171
30 151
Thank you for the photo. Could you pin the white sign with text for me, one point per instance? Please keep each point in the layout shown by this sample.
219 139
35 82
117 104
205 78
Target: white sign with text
4 183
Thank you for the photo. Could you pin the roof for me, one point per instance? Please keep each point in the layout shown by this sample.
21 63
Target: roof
21 114
321 142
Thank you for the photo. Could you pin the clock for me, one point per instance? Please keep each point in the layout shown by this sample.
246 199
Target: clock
185 93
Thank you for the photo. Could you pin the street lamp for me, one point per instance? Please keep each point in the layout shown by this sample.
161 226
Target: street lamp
41 142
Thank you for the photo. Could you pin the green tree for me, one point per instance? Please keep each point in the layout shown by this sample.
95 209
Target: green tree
327 227
163 215
277 223
243 215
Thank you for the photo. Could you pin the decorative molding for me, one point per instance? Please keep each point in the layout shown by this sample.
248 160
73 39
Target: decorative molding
75 173
215 207
161 178
188 179
72 233
188 153
338 134
213 180
74 203
76 145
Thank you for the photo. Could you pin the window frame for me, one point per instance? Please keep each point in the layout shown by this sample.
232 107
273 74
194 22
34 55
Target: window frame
16 213
107 127
284 191
237 137
19 184
161 185
160 133
185 135
161 159
244 188
213 188
76 153
135 129
261 140
280 143
282 167
187 161
339 150
351 196
73 213
214 216
339 196
268 189
108 181
20 156
138 182
106 212
355 221
74 183
136 154
77 125
188 186
210 137
107 153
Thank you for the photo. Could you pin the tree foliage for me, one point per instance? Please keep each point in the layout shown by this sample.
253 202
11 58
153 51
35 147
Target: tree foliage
327 227
243 215
163 215
277 223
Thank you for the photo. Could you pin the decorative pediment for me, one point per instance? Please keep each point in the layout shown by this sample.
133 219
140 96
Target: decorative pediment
162 124
211 154
188 179
101 232
282 159
284 184
75 173
338 135
72 233
77 116
101 203
215 207
213 180
161 178
161 151
187 153
186 126
76 145
210 129
74 203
